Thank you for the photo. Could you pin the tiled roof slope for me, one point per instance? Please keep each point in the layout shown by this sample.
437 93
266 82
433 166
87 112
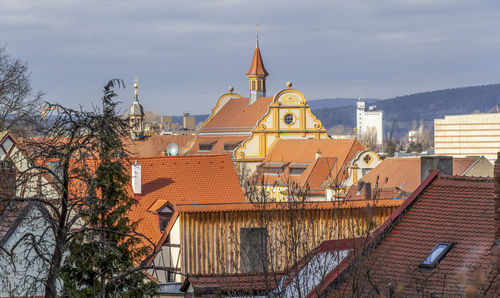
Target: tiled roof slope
403 173
217 144
183 180
462 164
334 156
452 209
257 65
154 145
237 115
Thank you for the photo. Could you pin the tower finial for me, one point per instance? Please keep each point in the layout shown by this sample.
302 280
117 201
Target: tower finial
257 35
135 86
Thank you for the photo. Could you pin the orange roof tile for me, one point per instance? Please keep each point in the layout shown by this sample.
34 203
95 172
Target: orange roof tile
237 115
217 144
183 180
403 173
462 164
154 145
334 156
257 65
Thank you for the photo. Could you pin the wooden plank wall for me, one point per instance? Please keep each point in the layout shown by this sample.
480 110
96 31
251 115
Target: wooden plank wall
210 240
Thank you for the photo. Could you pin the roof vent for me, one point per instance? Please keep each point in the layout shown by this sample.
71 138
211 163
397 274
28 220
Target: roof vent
136 178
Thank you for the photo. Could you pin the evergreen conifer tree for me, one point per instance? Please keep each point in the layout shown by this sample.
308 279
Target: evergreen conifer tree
106 245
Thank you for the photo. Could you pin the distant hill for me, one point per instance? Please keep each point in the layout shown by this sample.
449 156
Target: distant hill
426 105
336 102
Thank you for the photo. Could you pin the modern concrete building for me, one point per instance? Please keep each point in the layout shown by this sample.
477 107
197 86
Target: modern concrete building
369 122
468 135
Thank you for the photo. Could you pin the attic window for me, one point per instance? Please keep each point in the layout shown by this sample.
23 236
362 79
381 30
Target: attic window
273 170
163 221
230 146
436 255
298 168
206 146
297 171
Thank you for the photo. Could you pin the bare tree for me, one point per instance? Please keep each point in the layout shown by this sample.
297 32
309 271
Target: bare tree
369 137
69 173
19 104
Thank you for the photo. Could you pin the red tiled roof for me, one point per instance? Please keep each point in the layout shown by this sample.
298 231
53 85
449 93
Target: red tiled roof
335 154
154 145
217 144
462 164
257 65
403 173
183 180
237 115
444 208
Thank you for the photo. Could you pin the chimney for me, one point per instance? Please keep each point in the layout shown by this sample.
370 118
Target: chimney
368 191
7 179
318 154
136 178
431 163
496 183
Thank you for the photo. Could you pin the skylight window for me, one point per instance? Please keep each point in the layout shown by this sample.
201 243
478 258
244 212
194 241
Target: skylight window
437 254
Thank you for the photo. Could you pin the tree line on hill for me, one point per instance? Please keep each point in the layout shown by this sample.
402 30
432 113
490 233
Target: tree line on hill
425 105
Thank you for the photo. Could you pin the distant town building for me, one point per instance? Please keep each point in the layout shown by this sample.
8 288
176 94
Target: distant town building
369 123
416 135
188 122
468 135
136 117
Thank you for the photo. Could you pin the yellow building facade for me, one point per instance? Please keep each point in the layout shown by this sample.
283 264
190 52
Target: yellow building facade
288 117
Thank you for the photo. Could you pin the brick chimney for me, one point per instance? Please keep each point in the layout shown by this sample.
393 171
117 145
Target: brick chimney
496 186
7 179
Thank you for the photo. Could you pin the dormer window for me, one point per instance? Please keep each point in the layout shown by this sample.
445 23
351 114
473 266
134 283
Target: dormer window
164 219
230 146
436 255
273 167
297 169
206 146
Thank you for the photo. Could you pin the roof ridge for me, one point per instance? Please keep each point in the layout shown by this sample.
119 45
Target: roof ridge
180 156
465 178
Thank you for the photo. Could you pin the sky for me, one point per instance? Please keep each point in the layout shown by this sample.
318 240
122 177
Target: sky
186 53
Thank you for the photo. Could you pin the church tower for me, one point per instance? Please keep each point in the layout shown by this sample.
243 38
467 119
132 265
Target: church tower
136 117
257 75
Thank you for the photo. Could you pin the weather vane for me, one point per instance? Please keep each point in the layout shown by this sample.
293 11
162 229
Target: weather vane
135 85
257 35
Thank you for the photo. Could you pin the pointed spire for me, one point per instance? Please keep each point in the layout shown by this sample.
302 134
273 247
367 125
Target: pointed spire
257 73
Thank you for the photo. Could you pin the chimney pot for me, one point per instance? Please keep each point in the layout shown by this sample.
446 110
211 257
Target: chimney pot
318 154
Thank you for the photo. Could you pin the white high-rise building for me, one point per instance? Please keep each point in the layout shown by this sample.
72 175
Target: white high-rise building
369 121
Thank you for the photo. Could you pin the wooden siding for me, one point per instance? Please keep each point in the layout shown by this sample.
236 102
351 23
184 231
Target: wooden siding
210 240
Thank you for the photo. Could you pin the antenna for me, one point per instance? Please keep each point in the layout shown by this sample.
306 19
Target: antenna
257 35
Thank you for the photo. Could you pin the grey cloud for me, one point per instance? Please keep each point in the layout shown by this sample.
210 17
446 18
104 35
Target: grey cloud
186 53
